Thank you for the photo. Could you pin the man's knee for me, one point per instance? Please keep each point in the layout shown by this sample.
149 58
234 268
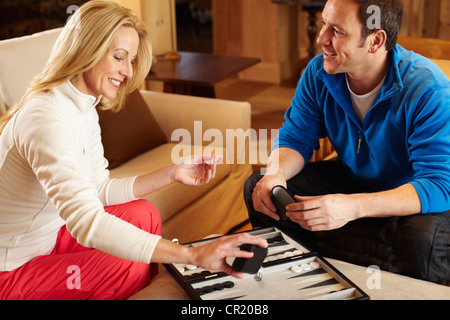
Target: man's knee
249 186
251 182
420 247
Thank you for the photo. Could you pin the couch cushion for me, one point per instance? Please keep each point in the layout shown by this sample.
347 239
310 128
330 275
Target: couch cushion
32 53
176 196
129 132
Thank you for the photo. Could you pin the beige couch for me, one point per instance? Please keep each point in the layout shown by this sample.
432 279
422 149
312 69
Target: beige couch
188 213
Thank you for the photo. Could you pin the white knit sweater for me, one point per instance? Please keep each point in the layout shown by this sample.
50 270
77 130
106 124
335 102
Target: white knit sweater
53 172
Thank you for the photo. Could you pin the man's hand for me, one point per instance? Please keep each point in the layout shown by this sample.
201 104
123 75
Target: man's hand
261 195
321 213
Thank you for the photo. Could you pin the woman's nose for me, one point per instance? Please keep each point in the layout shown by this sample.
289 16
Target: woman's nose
127 70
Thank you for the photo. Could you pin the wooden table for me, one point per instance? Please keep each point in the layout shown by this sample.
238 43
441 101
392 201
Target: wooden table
197 73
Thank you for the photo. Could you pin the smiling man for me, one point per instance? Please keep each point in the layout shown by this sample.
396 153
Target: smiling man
387 112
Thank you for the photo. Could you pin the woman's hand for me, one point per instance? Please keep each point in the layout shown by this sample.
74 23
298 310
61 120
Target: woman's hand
196 170
193 171
213 254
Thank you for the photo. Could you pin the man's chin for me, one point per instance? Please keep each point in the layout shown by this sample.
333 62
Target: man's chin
330 71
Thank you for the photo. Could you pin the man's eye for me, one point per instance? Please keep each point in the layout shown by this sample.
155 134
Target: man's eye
337 32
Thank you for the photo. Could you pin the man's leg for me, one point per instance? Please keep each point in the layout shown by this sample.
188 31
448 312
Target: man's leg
317 178
420 246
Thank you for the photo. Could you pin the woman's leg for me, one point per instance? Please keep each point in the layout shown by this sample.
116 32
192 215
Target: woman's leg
72 271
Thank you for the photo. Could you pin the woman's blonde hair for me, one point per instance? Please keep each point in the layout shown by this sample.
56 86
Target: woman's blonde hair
84 40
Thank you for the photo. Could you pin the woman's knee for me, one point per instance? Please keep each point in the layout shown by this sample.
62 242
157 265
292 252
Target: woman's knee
141 213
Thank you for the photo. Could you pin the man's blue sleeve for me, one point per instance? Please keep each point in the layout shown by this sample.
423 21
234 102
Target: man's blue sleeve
429 147
304 124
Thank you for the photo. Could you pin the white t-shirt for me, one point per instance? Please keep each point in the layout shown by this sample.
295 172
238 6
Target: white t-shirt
53 172
363 103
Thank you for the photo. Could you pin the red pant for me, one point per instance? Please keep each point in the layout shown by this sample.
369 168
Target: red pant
72 271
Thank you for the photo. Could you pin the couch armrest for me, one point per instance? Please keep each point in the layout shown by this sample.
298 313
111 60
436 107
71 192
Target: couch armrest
173 111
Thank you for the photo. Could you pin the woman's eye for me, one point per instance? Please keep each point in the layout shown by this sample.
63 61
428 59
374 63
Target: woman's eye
120 59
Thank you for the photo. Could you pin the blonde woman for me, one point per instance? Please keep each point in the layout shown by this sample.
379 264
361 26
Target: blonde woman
68 231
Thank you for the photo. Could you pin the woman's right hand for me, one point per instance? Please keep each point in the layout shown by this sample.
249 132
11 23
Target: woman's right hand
213 254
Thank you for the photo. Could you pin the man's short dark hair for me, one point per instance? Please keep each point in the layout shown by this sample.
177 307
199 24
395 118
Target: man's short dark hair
391 14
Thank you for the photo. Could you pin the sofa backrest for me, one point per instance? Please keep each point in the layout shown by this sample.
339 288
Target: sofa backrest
21 60
435 49
444 65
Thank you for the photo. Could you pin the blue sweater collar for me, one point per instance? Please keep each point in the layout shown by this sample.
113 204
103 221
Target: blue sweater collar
337 86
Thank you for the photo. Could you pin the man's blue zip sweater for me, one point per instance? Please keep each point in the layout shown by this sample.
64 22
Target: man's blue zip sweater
405 136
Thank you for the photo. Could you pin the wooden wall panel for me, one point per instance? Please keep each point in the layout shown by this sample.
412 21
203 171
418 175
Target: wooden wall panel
159 20
227 26
444 21
426 19
255 28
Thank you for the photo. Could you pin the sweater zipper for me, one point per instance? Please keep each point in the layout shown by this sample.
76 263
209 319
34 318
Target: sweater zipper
359 142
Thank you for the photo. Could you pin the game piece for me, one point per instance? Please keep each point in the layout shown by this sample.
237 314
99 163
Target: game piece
180 268
296 269
281 198
228 284
191 267
258 276
305 266
250 265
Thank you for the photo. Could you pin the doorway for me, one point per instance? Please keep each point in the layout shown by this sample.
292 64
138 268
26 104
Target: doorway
194 25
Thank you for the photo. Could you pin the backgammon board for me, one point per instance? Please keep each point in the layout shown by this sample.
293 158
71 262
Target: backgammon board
289 272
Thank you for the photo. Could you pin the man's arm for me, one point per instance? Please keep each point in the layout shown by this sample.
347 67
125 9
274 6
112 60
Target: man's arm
330 211
284 163
334 211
